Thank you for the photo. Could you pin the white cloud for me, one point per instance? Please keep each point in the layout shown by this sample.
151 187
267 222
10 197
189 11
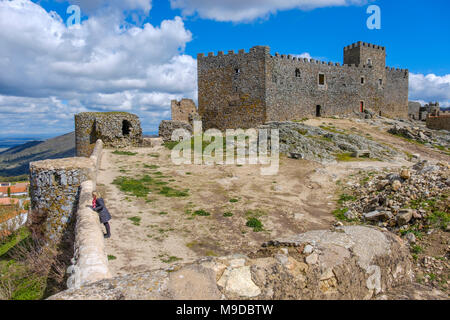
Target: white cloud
430 87
248 10
49 71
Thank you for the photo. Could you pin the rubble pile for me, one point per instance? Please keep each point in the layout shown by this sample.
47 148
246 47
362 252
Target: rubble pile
396 200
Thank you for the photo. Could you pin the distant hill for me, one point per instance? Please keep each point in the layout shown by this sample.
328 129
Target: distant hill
15 161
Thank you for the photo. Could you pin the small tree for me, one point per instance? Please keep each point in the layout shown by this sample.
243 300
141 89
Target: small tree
9 192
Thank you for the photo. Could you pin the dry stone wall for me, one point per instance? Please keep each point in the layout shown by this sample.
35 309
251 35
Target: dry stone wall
166 128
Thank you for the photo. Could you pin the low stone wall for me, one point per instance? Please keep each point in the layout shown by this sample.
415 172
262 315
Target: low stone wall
439 123
90 262
354 262
61 189
166 127
54 192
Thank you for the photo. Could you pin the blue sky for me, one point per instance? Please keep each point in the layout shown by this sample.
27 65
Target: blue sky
136 55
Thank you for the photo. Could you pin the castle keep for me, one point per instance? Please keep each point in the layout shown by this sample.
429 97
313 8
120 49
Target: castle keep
247 89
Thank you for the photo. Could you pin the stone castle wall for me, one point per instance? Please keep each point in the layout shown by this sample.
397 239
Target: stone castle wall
115 129
439 123
231 88
244 90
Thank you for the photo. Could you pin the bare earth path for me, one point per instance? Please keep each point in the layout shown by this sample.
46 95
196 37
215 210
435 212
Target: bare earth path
300 197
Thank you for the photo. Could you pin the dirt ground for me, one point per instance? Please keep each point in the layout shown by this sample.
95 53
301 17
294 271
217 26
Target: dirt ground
163 230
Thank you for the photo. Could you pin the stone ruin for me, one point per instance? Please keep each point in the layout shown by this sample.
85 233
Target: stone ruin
184 113
115 129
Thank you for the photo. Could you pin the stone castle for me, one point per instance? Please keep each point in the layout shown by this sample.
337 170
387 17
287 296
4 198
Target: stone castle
247 89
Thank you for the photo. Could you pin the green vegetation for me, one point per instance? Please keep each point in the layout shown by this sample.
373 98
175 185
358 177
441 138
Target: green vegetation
136 220
233 200
154 155
163 213
227 214
111 257
12 240
201 212
142 187
340 214
170 259
345 197
124 153
416 249
151 166
170 192
254 223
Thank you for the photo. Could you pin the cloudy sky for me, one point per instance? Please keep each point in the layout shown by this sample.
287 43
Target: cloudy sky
137 55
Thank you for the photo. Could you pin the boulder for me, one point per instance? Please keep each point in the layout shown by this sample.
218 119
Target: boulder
404 216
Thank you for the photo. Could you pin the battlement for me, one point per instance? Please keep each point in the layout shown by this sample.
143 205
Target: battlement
364 44
264 49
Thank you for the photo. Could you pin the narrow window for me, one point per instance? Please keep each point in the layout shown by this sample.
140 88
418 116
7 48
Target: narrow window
369 62
297 73
380 83
237 71
321 79
362 80
126 127
361 106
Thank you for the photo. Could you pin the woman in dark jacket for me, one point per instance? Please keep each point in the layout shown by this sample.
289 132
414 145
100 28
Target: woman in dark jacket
99 205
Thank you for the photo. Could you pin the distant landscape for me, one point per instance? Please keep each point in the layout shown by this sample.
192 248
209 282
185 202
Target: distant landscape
17 153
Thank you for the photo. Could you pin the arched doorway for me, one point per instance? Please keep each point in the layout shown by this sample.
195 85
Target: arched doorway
126 127
318 111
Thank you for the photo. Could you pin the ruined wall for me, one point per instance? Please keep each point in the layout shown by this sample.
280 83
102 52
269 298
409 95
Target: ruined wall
166 128
414 110
439 123
182 109
231 88
115 129
244 89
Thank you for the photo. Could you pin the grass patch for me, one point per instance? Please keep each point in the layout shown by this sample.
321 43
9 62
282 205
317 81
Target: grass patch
163 213
173 193
152 166
13 239
227 214
154 155
340 214
136 220
171 259
201 212
345 197
233 200
111 257
124 153
254 223
416 249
